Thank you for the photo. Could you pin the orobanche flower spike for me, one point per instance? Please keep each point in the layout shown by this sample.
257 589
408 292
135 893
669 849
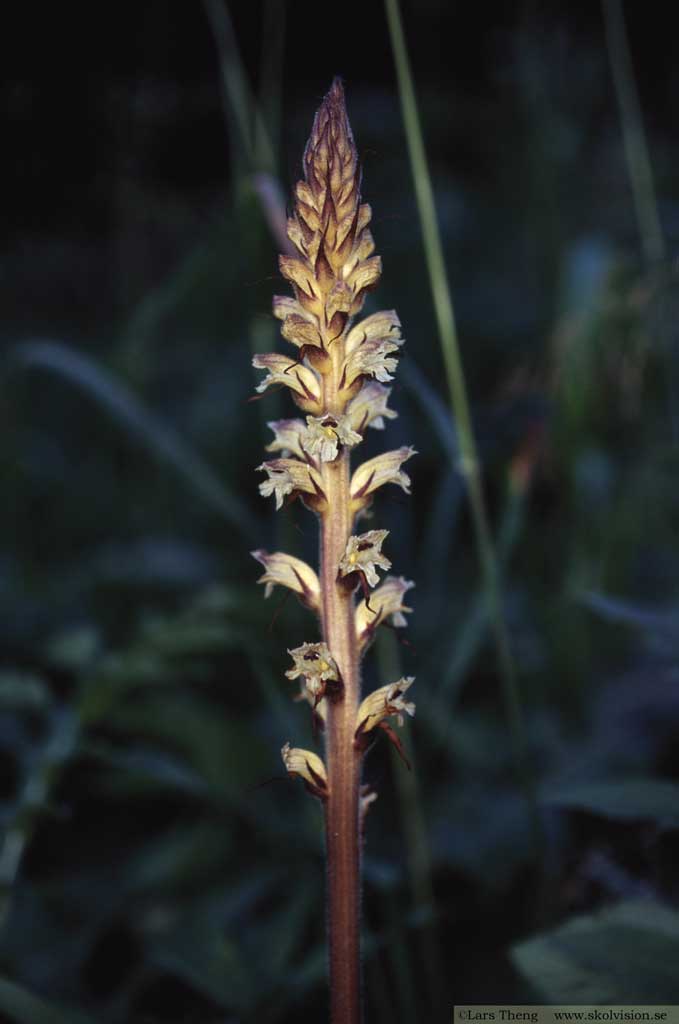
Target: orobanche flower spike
335 371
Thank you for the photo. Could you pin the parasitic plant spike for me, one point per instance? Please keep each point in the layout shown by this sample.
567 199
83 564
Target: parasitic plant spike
335 375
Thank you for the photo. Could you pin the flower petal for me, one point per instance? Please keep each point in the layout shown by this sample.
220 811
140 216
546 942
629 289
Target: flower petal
385 602
289 476
287 571
306 765
283 370
383 469
384 703
287 437
363 553
373 358
369 407
325 434
316 665
381 326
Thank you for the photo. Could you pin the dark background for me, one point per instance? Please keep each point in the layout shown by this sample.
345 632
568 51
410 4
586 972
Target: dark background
156 865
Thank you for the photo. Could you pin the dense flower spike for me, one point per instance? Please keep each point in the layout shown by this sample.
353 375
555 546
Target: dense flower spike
335 372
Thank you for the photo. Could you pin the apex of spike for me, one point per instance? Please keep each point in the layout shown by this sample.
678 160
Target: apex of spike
330 157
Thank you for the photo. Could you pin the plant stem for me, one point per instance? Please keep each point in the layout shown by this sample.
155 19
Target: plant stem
343 762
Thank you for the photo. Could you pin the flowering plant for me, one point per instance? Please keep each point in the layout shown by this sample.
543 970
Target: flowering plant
337 377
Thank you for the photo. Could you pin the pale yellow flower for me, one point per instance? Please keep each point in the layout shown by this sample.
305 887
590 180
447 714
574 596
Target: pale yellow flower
382 326
369 407
363 554
302 381
315 664
384 703
385 602
307 765
374 358
383 469
286 571
325 434
289 476
287 437
299 327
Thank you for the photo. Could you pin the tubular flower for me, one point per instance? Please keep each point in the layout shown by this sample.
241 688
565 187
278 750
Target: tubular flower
304 764
385 602
383 469
299 327
383 326
301 380
288 476
384 703
317 667
363 553
369 407
374 358
286 571
287 437
324 435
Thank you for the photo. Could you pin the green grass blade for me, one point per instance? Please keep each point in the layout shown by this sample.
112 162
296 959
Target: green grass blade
239 100
634 135
468 464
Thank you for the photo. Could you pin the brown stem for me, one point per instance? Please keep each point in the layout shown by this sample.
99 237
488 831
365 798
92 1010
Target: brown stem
343 761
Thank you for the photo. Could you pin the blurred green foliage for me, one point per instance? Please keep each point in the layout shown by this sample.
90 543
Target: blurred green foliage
155 864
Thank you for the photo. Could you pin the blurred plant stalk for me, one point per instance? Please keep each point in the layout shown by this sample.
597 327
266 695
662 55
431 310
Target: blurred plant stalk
337 379
469 465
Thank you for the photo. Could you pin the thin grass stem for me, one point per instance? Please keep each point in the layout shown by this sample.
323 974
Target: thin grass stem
469 463
634 134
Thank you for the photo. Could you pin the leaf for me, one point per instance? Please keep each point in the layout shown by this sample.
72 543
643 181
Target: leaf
622 800
624 954
25 1008
158 437
613 609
